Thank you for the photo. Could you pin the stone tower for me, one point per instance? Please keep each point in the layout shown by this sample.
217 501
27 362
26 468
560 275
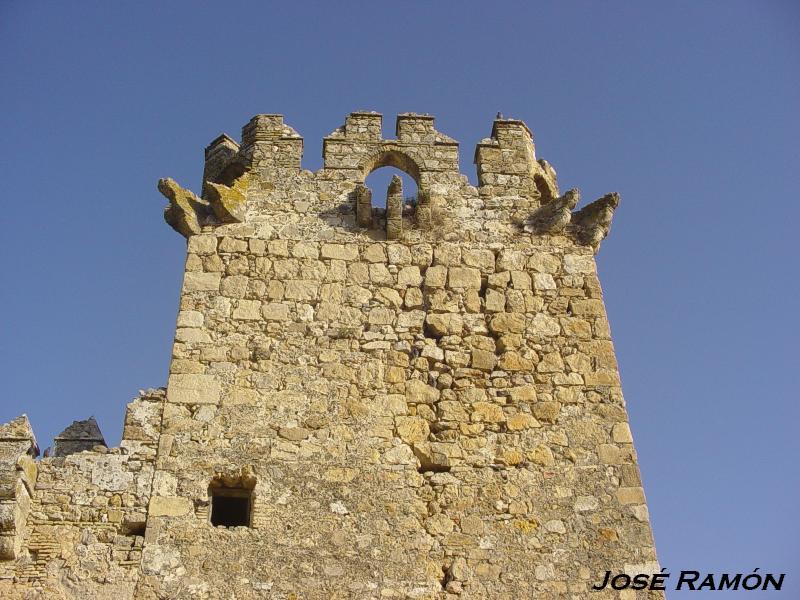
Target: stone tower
416 401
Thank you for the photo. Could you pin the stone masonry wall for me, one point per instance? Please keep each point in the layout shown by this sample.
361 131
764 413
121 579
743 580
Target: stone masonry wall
433 415
85 525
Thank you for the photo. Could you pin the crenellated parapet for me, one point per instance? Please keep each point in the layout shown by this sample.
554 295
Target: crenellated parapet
260 181
507 164
357 148
270 146
18 473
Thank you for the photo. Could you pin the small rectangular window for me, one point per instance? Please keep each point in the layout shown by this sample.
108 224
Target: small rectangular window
230 506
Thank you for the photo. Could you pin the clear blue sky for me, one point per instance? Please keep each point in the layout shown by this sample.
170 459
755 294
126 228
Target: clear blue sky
688 109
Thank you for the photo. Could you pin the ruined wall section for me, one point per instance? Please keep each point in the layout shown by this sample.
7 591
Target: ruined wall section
18 473
85 527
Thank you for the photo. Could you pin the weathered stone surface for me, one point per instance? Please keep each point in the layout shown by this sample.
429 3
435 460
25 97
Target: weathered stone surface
228 203
444 324
415 402
464 277
161 506
507 323
201 282
185 212
193 389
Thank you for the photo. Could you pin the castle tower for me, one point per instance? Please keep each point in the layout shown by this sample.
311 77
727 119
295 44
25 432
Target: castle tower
416 402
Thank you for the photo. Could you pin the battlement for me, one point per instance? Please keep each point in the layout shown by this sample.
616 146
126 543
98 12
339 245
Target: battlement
261 180
357 148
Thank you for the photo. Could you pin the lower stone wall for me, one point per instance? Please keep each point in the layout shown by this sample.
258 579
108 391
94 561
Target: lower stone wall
85 527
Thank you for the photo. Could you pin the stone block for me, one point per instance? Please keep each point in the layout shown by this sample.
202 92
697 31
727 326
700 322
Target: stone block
621 433
184 388
441 324
296 289
464 278
514 361
483 360
409 276
247 310
507 323
578 264
412 429
521 421
202 244
587 308
479 258
487 412
630 495
418 392
275 311
196 281
169 506
346 252
435 277
547 411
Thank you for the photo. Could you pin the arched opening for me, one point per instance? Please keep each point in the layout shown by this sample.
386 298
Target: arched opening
380 168
378 182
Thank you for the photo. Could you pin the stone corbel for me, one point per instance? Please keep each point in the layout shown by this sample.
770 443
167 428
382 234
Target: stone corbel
186 212
593 221
228 203
554 216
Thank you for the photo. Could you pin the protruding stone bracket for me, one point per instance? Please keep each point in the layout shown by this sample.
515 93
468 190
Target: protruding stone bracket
185 213
18 474
554 216
593 222
589 225
229 203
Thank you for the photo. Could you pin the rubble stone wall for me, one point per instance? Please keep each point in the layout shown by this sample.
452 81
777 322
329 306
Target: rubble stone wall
86 520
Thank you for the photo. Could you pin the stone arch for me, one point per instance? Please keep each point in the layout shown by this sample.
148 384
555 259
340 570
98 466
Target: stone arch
391 157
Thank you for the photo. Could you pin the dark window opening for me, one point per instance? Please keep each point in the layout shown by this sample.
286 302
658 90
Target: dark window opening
133 528
231 502
230 511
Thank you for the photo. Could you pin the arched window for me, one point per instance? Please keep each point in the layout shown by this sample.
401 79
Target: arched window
378 182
